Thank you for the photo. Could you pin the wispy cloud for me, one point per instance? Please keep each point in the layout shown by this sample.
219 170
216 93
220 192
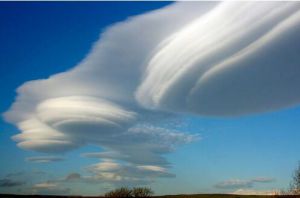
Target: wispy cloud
254 192
126 174
49 188
116 173
263 180
242 184
44 159
234 184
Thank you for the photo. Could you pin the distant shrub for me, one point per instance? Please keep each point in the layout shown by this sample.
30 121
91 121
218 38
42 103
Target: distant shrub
120 192
126 192
295 185
142 192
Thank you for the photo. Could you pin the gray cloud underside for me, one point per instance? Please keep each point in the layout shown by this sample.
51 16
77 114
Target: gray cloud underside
206 58
7 182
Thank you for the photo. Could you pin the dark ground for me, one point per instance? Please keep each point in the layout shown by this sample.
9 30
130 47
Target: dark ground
165 196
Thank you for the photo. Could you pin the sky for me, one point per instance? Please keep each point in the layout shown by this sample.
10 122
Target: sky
185 97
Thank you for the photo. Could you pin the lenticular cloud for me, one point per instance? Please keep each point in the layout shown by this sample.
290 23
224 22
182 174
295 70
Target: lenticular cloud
239 58
206 58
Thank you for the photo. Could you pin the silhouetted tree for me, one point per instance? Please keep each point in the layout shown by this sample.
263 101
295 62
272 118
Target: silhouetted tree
126 192
295 185
142 192
119 192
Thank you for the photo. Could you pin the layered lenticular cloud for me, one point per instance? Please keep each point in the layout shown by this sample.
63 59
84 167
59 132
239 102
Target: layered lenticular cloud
239 58
206 58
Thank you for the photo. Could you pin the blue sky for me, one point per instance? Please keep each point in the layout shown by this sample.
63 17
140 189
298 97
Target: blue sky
228 145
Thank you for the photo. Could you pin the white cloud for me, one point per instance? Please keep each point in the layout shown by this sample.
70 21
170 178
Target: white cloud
45 185
116 173
121 174
143 145
105 166
152 168
240 58
44 159
208 58
94 102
